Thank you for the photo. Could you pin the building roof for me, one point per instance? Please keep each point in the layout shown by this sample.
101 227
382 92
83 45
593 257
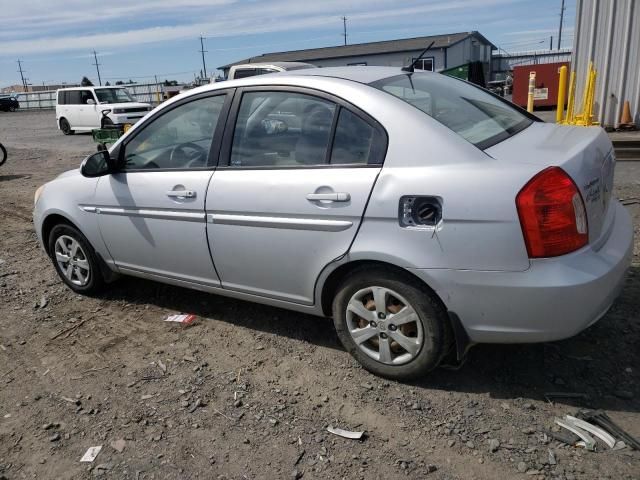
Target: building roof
370 48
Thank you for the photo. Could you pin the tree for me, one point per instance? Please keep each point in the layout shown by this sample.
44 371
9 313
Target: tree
131 81
85 82
119 82
107 84
170 83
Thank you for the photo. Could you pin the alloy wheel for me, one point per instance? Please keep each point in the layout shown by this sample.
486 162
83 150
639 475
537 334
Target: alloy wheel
72 260
384 325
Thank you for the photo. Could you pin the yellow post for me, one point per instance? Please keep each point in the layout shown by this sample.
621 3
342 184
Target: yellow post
532 86
562 89
571 100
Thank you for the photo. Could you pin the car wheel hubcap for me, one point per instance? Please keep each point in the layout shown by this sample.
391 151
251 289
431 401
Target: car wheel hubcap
384 325
72 260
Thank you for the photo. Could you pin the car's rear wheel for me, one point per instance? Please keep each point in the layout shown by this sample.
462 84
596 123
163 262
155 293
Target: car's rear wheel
12 108
75 260
390 323
65 127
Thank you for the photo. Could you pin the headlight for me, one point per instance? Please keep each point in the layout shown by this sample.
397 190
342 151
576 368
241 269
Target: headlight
119 110
37 194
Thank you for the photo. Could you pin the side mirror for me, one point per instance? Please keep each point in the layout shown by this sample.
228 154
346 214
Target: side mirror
97 165
91 101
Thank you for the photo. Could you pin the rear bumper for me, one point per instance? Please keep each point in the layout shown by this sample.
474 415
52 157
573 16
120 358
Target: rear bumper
554 299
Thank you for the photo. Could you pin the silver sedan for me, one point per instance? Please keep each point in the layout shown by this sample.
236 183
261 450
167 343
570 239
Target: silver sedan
422 213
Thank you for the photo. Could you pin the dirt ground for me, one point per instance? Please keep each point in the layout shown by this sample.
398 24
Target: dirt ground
247 392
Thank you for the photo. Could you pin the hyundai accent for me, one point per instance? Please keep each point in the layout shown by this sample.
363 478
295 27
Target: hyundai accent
422 213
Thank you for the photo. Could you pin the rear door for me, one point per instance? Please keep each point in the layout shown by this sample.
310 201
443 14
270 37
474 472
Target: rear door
292 183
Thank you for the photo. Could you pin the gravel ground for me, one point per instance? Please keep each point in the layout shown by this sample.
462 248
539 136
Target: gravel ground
247 391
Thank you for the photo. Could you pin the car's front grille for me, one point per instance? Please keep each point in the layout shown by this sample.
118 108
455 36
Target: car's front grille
133 110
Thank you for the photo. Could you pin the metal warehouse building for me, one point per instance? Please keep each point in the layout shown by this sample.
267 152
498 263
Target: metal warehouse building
448 51
607 32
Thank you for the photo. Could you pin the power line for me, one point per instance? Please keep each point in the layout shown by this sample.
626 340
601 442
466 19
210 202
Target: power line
202 51
95 57
22 72
344 25
562 9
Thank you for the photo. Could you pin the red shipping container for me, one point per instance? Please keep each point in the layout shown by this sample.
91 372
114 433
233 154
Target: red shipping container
547 82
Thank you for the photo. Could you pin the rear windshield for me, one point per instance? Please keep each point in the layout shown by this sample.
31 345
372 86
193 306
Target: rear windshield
475 115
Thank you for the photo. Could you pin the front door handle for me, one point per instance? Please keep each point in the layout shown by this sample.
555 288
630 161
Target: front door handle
331 197
181 193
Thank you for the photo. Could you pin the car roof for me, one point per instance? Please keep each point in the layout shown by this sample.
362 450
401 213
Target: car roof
275 64
360 74
92 87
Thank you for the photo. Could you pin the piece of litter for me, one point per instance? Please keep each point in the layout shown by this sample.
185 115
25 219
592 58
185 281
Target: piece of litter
185 319
162 366
550 395
118 445
587 441
345 433
594 430
600 418
91 454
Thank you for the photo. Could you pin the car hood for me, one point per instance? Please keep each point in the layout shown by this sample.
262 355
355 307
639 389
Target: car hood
124 105
69 173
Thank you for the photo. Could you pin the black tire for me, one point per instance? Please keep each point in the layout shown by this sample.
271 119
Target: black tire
95 282
430 313
65 127
12 108
3 154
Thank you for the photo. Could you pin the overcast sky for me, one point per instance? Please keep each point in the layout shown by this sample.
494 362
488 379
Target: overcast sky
138 39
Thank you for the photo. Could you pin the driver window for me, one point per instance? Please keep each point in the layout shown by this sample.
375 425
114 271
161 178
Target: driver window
179 139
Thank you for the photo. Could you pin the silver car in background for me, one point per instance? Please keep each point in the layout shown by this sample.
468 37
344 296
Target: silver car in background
422 213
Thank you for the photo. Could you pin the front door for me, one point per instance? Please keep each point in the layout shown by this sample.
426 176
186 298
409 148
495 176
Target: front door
290 190
151 214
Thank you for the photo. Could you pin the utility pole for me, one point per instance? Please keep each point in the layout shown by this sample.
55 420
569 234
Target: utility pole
560 29
551 42
95 57
202 51
344 25
22 72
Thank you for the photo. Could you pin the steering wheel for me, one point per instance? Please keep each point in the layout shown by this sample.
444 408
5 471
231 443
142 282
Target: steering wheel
180 157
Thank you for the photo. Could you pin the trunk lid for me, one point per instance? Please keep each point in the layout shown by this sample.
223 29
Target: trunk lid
585 153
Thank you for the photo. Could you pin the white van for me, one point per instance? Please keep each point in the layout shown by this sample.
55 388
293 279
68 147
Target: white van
80 109
251 69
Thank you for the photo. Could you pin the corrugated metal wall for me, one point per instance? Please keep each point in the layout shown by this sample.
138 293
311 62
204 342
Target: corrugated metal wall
608 33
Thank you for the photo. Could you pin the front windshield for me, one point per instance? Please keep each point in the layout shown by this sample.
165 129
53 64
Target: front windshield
472 113
113 95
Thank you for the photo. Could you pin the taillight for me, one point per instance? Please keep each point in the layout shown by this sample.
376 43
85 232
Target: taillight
552 214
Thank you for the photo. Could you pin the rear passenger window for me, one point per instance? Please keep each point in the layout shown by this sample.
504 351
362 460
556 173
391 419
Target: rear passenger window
74 97
354 140
282 129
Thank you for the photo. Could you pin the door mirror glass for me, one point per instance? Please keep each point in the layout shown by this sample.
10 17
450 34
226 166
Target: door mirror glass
97 164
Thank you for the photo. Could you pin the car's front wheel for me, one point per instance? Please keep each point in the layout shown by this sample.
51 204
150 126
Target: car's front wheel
390 323
75 260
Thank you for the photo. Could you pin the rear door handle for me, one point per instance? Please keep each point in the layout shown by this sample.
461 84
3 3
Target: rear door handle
181 193
332 197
